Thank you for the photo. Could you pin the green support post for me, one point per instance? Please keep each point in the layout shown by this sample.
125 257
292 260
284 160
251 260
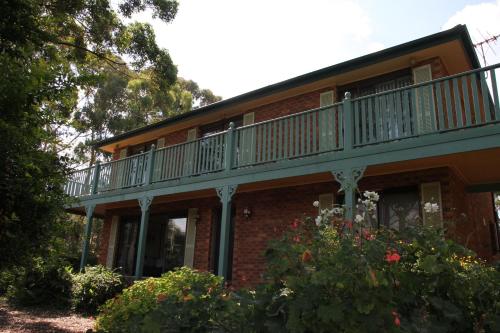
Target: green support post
348 179
229 152
95 181
349 123
145 203
225 194
89 210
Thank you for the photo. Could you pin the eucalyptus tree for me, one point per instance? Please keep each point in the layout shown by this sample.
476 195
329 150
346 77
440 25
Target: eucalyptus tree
52 54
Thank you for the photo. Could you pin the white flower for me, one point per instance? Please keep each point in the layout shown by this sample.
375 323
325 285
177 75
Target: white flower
337 211
318 220
371 195
316 203
431 208
359 218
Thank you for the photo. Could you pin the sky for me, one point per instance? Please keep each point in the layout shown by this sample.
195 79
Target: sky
235 46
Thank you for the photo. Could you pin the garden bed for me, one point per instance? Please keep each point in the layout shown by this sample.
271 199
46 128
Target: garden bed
36 319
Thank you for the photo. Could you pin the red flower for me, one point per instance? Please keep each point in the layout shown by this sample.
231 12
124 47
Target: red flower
295 224
397 321
306 256
367 235
296 239
392 256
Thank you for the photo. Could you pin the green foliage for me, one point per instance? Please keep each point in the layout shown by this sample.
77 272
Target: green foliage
94 287
50 53
329 279
180 301
45 281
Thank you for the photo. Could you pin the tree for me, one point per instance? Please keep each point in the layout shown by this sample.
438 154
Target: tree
52 52
128 100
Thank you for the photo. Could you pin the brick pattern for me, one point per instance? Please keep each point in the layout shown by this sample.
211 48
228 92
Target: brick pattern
274 210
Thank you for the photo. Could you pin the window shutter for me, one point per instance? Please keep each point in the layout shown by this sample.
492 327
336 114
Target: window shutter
123 152
112 241
326 201
190 237
192 134
326 98
248 118
160 143
431 192
326 121
119 177
246 154
425 99
191 152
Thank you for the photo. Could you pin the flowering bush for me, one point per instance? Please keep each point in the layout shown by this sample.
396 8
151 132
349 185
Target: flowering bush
331 275
180 301
94 287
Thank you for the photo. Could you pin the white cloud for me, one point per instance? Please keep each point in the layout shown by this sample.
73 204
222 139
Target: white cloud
483 21
235 46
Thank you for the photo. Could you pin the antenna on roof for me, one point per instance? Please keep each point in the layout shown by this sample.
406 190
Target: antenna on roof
486 41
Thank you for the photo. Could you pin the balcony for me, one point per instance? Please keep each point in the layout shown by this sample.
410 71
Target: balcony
400 119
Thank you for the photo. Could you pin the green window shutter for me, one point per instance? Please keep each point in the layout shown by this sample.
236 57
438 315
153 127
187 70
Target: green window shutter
326 98
160 143
123 152
326 121
190 237
431 192
192 134
190 152
119 178
247 148
424 99
110 258
326 201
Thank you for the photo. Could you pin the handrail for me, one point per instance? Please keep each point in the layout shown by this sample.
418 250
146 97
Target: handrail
426 83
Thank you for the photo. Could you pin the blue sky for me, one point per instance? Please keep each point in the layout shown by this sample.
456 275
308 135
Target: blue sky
234 46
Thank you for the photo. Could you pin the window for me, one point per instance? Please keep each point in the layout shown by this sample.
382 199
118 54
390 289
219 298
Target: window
165 243
141 148
398 208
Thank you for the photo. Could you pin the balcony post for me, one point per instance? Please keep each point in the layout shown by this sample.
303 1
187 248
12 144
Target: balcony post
348 179
349 123
229 152
225 194
89 212
145 203
95 181
151 160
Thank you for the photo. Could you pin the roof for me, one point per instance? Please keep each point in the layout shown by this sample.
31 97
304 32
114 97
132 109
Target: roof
459 32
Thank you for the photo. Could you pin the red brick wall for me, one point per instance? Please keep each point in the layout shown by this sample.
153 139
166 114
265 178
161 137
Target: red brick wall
273 210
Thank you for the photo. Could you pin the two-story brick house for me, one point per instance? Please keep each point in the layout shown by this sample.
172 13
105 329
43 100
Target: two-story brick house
417 122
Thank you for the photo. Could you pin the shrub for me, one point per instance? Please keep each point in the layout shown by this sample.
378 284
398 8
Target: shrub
327 275
94 287
45 281
178 301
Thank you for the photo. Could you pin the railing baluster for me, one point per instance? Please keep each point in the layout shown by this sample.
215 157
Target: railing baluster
439 102
458 106
314 129
465 93
297 136
495 94
364 129
269 142
286 144
449 110
486 100
355 123
399 114
475 99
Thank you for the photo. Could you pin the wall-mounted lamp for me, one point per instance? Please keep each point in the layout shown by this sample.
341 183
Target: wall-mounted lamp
247 212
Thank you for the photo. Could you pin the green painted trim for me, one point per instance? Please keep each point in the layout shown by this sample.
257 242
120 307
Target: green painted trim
470 139
225 194
145 203
89 210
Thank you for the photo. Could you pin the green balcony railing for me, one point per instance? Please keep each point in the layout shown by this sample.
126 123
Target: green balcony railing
451 103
